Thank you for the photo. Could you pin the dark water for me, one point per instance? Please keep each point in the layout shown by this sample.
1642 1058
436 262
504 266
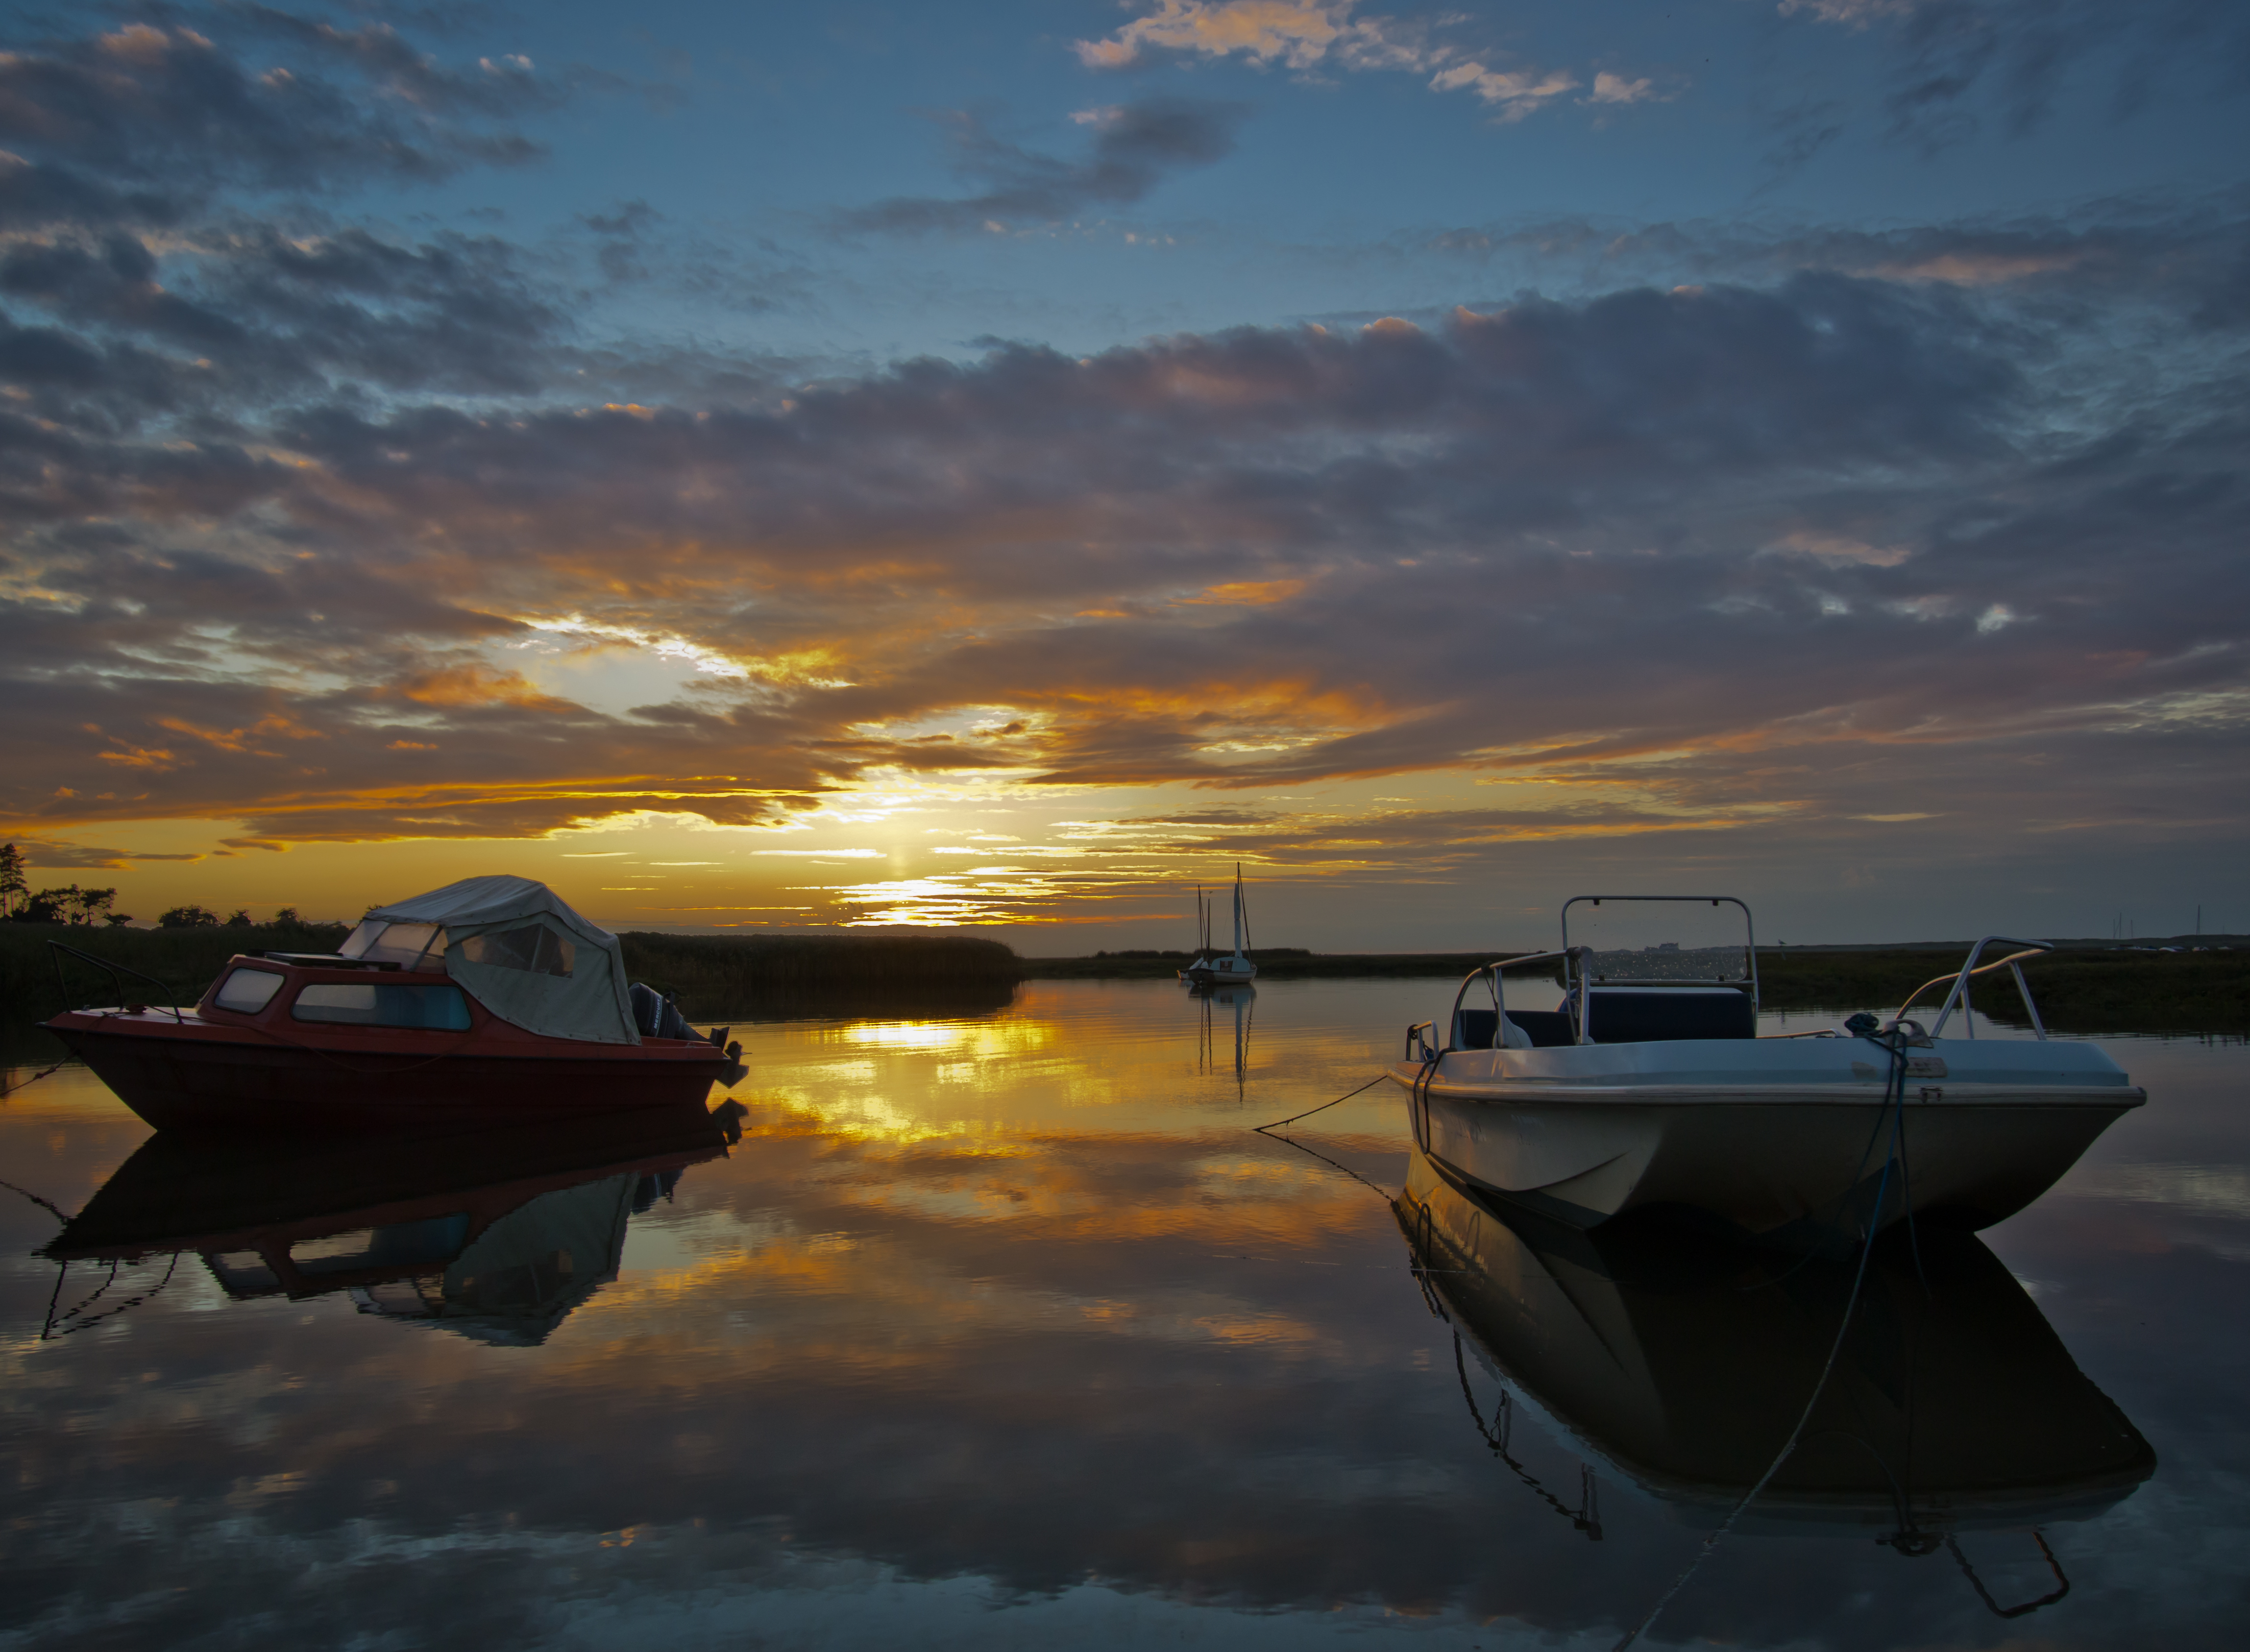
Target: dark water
1006 1331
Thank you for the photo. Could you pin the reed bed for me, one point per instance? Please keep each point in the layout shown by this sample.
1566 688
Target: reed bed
2077 990
712 974
765 977
2082 989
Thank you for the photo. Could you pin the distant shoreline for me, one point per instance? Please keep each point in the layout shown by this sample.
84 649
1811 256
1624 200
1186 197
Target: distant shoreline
2088 986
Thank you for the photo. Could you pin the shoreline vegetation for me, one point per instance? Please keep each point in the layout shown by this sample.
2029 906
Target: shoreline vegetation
2087 987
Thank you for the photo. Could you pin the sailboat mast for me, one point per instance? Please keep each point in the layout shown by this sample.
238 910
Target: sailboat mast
1237 909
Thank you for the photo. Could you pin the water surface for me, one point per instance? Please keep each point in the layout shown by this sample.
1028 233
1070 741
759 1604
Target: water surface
1006 1331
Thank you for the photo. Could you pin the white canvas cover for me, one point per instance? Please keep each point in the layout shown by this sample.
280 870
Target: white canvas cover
517 948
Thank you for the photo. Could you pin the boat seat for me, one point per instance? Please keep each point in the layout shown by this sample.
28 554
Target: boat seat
1639 1015
1541 1029
1549 1029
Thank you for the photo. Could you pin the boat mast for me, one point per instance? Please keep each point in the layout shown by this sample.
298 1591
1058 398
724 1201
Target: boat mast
1237 909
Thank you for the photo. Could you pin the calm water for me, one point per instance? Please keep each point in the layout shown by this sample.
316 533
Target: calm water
1007 1331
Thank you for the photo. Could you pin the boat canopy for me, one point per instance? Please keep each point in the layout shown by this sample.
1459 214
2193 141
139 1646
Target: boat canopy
518 949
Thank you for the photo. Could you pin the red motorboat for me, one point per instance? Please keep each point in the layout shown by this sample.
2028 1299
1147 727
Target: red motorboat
488 998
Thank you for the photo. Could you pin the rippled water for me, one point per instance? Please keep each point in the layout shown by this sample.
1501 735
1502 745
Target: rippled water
1007 1331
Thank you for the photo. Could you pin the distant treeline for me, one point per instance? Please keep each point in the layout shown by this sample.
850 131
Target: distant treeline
713 976
184 960
2081 991
767 977
1274 963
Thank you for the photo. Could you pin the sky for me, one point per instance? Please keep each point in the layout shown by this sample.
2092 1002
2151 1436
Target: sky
1006 464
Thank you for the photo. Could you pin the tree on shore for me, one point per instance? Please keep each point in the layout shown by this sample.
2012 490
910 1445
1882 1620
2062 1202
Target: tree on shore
69 905
190 917
12 886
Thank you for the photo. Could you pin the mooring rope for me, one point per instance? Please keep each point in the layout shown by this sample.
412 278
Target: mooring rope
33 1079
1324 1106
1897 1047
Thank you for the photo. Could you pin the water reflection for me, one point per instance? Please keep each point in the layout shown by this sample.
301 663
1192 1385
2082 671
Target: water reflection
1006 1331
496 1235
1953 1407
1240 1002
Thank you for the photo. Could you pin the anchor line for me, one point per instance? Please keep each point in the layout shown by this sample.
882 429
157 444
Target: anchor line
33 1079
1897 1046
50 1334
1324 1106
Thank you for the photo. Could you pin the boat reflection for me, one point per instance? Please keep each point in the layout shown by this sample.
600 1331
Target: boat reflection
496 1234
1952 1407
1239 999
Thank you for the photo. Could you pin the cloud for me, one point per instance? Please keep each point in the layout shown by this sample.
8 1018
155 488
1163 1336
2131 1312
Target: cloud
1517 93
1135 146
1307 35
136 124
46 854
1952 63
337 535
1616 89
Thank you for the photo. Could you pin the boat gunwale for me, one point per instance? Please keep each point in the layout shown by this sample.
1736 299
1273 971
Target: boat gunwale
1943 1092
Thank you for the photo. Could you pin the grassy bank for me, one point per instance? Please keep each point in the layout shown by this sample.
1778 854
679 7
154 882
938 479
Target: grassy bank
183 960
2084 991
1279 963
712 975
765 977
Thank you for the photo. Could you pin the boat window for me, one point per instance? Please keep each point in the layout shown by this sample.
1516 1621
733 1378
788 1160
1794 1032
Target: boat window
242 1273
432 1242
380 1004
386 943
529 946
248 991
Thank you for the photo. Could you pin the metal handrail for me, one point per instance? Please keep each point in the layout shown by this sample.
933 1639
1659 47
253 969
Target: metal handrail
1959 995
1750 925
110 968
1568 955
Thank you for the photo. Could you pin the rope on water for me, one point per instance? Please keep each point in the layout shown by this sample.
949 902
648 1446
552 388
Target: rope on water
1897 1047
33 1079
1325 1106
44 1204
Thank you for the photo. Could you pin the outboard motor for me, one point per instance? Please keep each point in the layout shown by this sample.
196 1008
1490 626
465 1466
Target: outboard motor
656 1017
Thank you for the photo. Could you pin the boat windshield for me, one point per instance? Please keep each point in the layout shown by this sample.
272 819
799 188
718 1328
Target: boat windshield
386 943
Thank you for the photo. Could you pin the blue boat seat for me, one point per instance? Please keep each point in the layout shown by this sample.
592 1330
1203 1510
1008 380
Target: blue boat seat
1474 1029
1645 1015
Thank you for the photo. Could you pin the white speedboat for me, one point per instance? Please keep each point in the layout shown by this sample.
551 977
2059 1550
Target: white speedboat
1653 1092
1212 968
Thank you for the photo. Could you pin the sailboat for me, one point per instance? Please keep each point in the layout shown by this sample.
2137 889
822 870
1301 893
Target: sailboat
1211 969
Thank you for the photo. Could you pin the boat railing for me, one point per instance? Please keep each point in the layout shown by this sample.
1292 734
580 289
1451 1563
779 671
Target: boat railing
1575 981
110 969
1750 937
1959 996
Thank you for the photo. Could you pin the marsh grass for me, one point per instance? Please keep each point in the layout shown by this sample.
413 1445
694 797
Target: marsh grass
2078 991
768 977
185 959
775 977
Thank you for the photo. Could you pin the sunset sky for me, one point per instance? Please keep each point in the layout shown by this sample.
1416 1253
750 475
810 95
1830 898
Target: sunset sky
1005 463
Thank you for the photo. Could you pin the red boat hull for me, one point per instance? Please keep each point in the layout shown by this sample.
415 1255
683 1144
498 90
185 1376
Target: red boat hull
213 1069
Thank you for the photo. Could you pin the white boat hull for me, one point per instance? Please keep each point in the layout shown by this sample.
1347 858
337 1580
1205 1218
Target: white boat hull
1785 1139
